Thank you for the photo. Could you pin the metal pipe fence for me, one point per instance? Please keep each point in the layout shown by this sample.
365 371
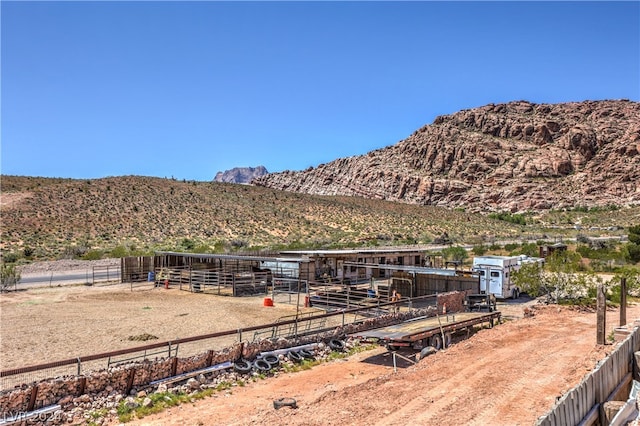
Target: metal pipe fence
294 326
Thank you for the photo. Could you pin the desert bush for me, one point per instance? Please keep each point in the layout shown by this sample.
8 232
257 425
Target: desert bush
27 252
562 281
633 246
119 251
632 276
455 253
74 252
479 250
510 247
516 218
9 276
529 249
92 255
202 248
10 257
188 244
529 279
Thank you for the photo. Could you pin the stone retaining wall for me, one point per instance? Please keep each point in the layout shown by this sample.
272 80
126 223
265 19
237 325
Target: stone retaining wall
127 377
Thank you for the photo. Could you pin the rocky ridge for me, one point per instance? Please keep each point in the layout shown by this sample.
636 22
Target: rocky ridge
240 174
514 157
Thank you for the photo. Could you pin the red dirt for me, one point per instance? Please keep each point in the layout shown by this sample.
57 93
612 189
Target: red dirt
508 375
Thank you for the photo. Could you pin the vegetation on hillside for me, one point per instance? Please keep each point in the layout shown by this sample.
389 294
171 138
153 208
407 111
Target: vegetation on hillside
50 218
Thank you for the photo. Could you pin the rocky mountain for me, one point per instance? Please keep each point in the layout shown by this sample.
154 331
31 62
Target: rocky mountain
516 156
240 174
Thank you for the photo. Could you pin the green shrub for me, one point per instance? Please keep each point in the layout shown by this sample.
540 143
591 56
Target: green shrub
119 251
479 250
92 255
511 247
9 276
10 257
517 219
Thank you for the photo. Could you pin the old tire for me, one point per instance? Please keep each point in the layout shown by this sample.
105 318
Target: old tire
294 356
284 402
436 342
425 352
336 345
243 366
273 360
307 354
262 365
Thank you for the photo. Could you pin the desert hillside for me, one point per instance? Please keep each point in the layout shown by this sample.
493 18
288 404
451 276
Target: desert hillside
517 156
52 218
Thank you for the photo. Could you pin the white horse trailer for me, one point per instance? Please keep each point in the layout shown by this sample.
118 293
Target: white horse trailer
495 275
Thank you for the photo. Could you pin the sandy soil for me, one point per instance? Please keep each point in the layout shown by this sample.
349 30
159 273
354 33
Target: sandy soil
507 375
48 324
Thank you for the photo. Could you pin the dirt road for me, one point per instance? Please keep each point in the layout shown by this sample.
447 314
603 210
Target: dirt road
508 375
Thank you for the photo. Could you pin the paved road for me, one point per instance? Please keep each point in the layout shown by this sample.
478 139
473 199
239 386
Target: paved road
68 278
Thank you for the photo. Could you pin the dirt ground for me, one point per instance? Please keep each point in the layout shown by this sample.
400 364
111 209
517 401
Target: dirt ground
49 324
508 375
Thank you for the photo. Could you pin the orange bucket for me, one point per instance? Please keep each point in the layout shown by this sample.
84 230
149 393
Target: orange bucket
267 301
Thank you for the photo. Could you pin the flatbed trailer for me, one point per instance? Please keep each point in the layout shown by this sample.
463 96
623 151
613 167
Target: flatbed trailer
427 331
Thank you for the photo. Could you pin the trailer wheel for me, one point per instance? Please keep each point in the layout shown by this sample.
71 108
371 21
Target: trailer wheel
515 293
243 366
447 340
436 342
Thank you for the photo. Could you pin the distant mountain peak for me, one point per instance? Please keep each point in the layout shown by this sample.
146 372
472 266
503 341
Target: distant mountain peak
240 174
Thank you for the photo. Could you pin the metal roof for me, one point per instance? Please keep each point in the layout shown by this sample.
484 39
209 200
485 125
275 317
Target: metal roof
388 250
406 268
233 257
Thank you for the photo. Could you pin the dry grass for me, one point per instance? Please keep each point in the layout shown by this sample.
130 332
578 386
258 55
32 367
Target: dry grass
54 218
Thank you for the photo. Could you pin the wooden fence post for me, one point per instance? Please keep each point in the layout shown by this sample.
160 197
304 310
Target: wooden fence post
132 375
32 398
174 366
601 316
623 302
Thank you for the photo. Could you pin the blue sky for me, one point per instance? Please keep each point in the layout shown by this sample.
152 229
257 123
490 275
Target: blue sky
186 89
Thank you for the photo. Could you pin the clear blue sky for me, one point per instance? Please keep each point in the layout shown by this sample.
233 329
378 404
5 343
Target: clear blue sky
186 89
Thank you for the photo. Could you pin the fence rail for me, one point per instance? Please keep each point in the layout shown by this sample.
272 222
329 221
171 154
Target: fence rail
294 327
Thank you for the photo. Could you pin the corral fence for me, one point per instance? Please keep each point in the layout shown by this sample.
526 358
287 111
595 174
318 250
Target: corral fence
375 293
136 269
295 326
610 381
105 274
